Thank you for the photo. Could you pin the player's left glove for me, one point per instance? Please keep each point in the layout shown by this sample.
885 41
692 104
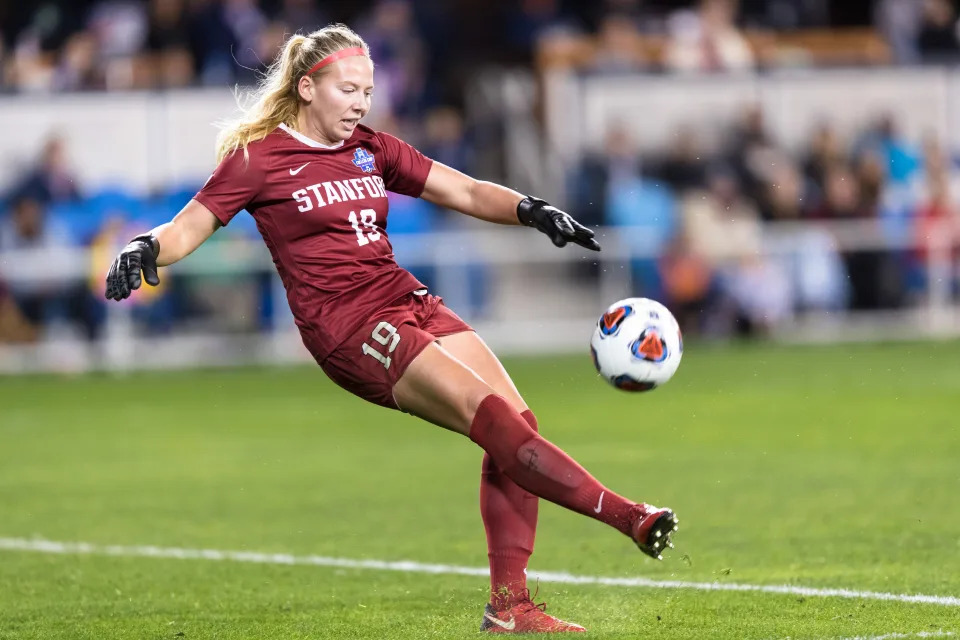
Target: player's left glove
124 275
559 226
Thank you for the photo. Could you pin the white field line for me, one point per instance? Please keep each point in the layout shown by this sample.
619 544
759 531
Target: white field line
408 566
898 636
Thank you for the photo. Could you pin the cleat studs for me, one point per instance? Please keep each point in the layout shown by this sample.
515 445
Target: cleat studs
657 532
659 557
670 544
656 545
676 528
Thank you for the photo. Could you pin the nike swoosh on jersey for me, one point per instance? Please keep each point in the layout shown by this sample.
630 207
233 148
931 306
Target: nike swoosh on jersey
294 172
509 625
599 506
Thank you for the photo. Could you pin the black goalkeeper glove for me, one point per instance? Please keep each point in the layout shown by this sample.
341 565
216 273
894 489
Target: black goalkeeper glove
559 226
124 275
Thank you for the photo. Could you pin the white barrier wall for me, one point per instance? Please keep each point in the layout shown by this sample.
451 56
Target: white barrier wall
135 140
580 109
144 140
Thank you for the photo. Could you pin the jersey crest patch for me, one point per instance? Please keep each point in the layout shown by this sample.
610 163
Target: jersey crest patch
364 159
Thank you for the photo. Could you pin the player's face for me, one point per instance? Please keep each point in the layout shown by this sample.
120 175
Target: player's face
340 97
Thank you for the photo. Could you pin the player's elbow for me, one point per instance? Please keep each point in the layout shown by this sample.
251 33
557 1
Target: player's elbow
473 196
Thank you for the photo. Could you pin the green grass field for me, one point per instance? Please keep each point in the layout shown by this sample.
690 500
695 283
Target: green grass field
819 467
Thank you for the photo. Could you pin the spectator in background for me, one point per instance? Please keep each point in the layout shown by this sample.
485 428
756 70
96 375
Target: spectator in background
46 297
444 138
26 229
26 226
937 215
719 223
213 42
246 22
168 44
120 28
618 156
687 279
301 15
761 296
684 166
786 15
841 195
268 43
875 275
809 258
35 31
781 200
618 46
756 157
872 177
900 158
644 209
29 69
397 47
537 19
14 327
752 291
50 180
826 150
79 68
708 41
899 21
937 38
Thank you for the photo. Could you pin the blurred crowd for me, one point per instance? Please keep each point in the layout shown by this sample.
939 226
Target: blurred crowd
90 45
426 47
700 214
692 202
709 209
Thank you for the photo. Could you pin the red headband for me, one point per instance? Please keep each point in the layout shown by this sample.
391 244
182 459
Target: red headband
333 57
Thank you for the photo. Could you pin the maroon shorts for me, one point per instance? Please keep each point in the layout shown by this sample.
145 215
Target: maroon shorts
371 360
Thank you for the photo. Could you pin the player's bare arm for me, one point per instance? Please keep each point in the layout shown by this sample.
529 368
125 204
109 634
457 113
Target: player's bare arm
160 247
447 187
188 230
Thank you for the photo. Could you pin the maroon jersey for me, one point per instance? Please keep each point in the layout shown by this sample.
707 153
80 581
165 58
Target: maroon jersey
322 212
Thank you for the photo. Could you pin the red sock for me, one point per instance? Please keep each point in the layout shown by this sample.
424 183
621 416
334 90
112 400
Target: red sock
510 519
542 468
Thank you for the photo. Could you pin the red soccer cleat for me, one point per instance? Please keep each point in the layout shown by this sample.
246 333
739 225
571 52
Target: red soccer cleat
653 529
524 617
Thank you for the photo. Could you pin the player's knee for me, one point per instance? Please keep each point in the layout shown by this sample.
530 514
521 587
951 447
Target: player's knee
473 399
499 428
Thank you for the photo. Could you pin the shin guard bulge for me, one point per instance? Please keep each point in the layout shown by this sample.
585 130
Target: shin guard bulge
542 468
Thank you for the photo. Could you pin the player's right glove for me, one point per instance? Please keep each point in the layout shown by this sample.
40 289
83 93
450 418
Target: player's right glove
558 225
124 274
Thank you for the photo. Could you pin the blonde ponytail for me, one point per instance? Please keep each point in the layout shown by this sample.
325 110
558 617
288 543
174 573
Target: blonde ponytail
276 101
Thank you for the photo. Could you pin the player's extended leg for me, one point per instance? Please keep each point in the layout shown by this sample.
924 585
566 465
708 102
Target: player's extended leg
509 512
441 389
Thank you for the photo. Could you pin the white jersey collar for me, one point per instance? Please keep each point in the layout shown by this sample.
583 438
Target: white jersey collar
307 141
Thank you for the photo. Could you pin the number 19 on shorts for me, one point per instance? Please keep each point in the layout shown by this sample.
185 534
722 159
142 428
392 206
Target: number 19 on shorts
387 337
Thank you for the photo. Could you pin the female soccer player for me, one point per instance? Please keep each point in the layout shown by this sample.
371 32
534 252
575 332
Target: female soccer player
316 181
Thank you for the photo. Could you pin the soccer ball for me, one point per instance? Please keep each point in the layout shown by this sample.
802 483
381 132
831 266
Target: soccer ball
637 344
